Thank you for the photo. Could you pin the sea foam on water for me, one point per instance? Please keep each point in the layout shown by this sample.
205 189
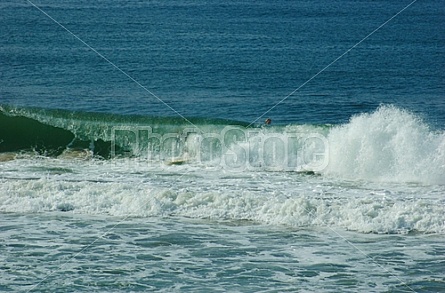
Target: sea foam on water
389 144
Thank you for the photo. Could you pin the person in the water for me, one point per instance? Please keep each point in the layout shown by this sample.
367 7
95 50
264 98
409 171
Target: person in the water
268 121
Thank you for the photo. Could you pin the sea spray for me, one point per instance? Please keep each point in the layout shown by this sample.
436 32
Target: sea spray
389 144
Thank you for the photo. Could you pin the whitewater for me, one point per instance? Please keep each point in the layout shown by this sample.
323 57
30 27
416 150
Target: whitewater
135 157
84 212
382 172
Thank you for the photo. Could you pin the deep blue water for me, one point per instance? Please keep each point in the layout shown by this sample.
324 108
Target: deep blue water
230 60
360 208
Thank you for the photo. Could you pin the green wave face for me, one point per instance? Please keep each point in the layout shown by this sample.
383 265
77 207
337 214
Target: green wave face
23 133
51 132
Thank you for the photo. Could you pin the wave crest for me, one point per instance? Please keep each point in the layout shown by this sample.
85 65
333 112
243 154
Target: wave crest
390 144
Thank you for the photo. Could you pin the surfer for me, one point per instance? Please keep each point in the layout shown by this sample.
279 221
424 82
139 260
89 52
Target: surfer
268 121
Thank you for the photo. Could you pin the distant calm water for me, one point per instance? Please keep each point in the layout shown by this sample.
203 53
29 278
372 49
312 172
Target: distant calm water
133 155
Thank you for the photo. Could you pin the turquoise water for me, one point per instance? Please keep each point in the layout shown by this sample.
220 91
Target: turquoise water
89 253
134 157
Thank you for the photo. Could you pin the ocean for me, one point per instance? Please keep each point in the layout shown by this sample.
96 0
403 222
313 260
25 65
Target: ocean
135 157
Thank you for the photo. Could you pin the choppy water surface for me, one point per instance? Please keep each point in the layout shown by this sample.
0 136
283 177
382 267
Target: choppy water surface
133 154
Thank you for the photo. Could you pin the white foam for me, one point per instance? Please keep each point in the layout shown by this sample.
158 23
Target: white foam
389 144
273 198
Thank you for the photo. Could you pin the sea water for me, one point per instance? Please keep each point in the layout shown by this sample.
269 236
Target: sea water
134 155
